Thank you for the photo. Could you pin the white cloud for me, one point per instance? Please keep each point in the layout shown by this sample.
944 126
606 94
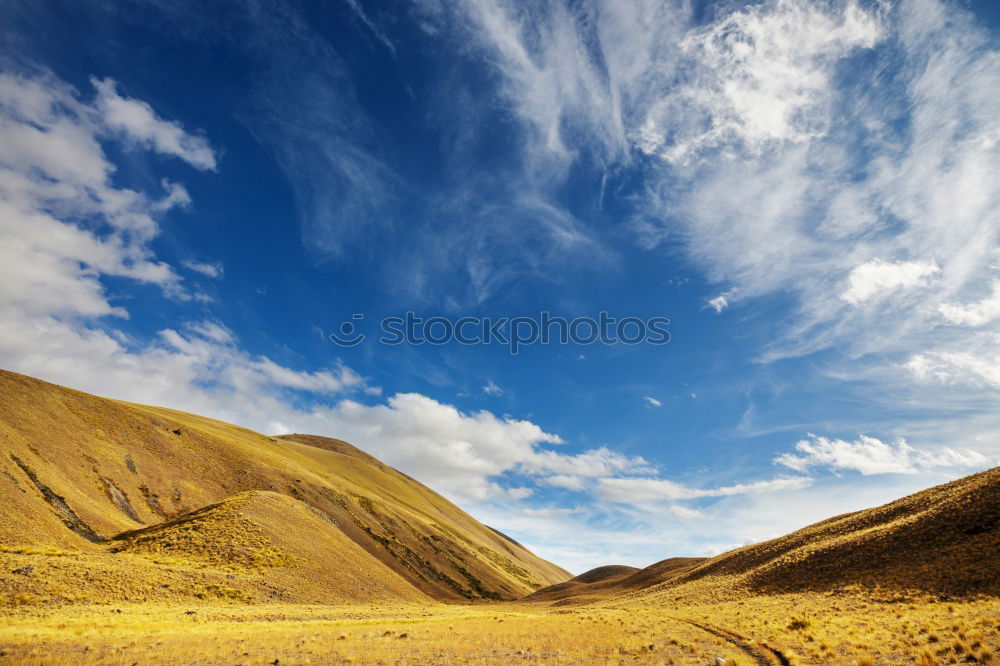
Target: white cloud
53 175
376 31
214 331
756 77
53 170
640 490
567 481
685 513
519 493
719 303
976 365
876 276
974 314
606 533
592 463
213 270
459 453
66 228
869 455
652 402
805 184
550 512
138 122
492 389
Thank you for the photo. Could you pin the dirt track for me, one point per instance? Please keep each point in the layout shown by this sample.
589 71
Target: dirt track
763 654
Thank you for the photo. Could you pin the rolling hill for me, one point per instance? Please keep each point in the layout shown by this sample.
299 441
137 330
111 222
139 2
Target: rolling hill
137 493
942 541
612 580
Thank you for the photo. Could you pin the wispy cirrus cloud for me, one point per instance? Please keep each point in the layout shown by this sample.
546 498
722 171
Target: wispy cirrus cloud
59 324
641 490
835 152
213 269
976 313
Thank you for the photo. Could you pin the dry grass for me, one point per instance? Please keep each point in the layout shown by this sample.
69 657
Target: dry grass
500 634
136 534
77 470
942 541
847 631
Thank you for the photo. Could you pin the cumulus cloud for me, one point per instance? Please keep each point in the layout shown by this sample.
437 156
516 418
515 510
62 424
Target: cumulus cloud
138 122
67 227
53 175
869 455
464 455
719 303
592 463
876 276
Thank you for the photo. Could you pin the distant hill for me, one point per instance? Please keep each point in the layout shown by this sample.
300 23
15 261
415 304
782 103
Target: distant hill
943 541
106 484
612 580
588 586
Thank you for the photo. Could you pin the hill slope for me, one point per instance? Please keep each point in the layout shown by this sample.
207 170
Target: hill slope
942 540
588 586
77 470
613 580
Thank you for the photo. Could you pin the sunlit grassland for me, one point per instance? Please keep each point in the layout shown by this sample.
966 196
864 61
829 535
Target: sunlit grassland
418 634
804 629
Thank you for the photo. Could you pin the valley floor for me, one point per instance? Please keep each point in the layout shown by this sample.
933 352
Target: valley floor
788 629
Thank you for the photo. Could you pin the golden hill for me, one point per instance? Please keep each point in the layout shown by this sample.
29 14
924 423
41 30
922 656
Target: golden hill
118 484
942 541
588 586
612 580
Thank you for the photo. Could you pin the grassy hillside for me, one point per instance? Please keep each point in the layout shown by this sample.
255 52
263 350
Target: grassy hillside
588 586
139 534
940 541
612 580
78 471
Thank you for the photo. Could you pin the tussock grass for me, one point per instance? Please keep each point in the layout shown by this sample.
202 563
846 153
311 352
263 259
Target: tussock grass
848 634
77 471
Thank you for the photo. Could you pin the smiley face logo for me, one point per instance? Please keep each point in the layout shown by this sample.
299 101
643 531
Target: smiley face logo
348 335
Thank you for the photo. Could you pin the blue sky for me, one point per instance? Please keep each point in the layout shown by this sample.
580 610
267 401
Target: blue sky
193 199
